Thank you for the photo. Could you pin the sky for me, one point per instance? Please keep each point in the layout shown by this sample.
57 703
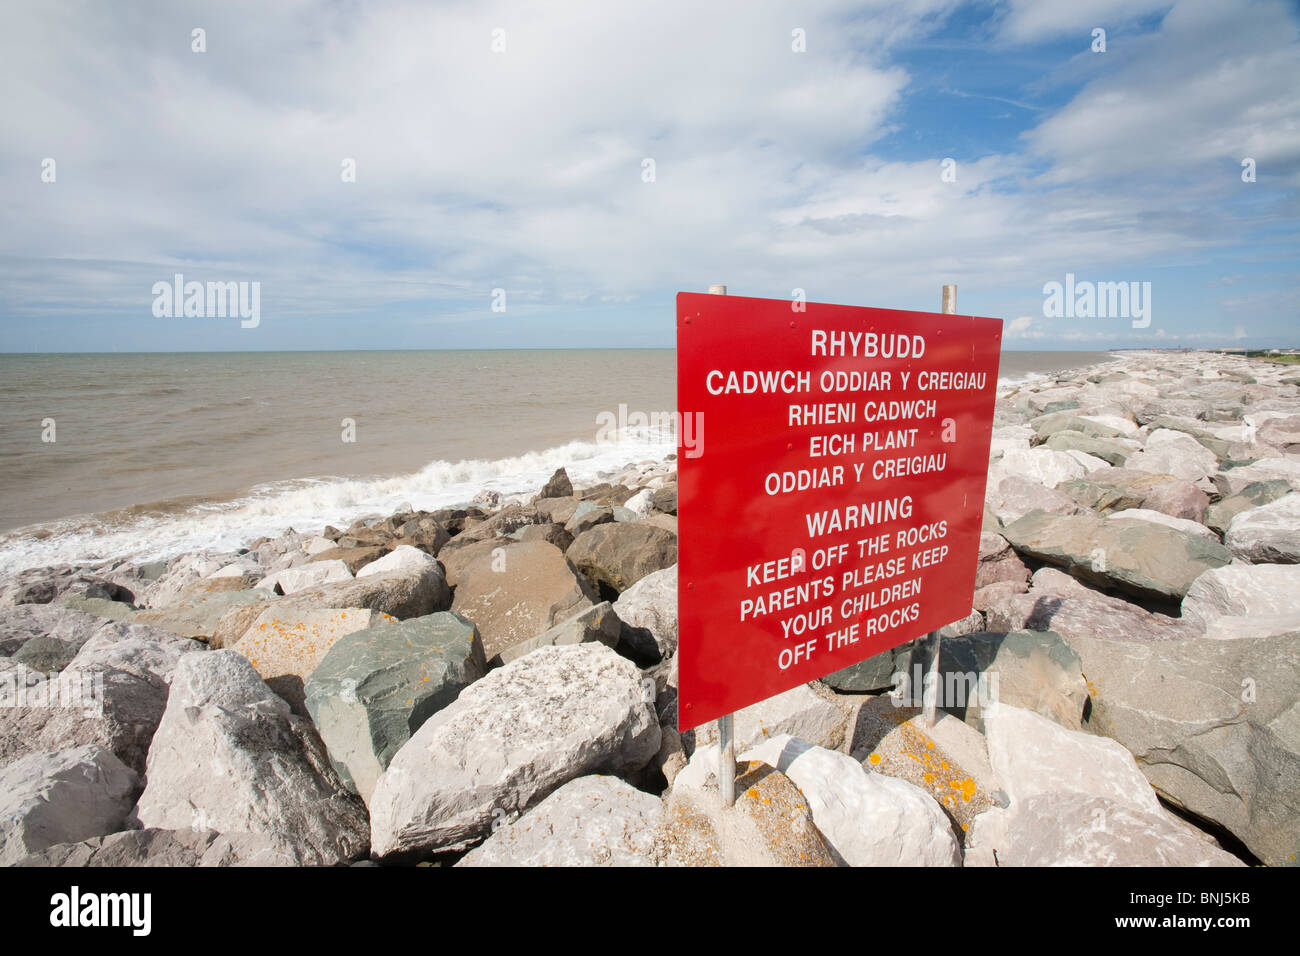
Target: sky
591 159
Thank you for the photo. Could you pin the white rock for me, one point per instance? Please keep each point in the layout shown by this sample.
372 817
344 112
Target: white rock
868 819
798 712
1269 534
62 796
307 575
1185 525
402 558
319 545
1266 469
1169 452
1032 755
639 504
230 756
1090 462
1240 590
591 821
1119 423
651 603
1040 464
555 714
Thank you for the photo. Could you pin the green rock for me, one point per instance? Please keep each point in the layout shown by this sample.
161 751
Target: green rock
375 688
1254 495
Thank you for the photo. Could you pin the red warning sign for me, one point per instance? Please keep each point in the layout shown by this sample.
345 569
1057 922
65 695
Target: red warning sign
831 471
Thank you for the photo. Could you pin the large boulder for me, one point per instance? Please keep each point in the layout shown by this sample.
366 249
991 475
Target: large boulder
1053 605
1254 495
648 610
592 821
1114 489
1229 602
1138 557
112 694
617 555
197 610
376 687
557 713
60 631
292 580
1013 497
770 824
62 796
230 756
1169 452
286 645
518 590
1043 465
998 561
907 827
1213 726
1268 534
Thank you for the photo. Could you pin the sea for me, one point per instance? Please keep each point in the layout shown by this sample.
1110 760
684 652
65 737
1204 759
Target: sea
148 455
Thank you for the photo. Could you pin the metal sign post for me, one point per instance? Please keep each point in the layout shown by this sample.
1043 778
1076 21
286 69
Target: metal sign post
726 727
930 643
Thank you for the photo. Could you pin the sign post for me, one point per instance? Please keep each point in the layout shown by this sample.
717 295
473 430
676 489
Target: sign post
832 510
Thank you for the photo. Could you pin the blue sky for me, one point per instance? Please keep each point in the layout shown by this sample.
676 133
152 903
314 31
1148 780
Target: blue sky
522 169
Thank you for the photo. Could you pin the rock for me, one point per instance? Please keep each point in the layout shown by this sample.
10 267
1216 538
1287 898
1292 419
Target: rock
1073 829
230 756
400 594
557 713
1115 489
998 562
591 821
618 555
1253 495
770 823
286 645
559 486
991 595
425 533
291 580
1140 558
163 848
353 558
1032 669
112 610
648 610
586 516
519 590
1268 534
402 558
197 610
1082 611
872 674
1176 453
907 826
112 694
1043 465
1266 593
598 623
665 499
1048 425
317 546
1212 724
550 533
800 711
1159 517
61 630
374 688
1032 755
185 576
45 585
640 504
556 510
949 760
1110 451
1232 481
1014 497
61 796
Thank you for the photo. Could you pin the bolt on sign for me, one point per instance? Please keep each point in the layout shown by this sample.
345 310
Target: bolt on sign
833 509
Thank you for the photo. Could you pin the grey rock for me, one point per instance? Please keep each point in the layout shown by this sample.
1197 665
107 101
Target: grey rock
557 714
1269 534
62 796
598 623
63 630
1253 495
648 610
229 756
591 821
163 848
618 555
375 688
